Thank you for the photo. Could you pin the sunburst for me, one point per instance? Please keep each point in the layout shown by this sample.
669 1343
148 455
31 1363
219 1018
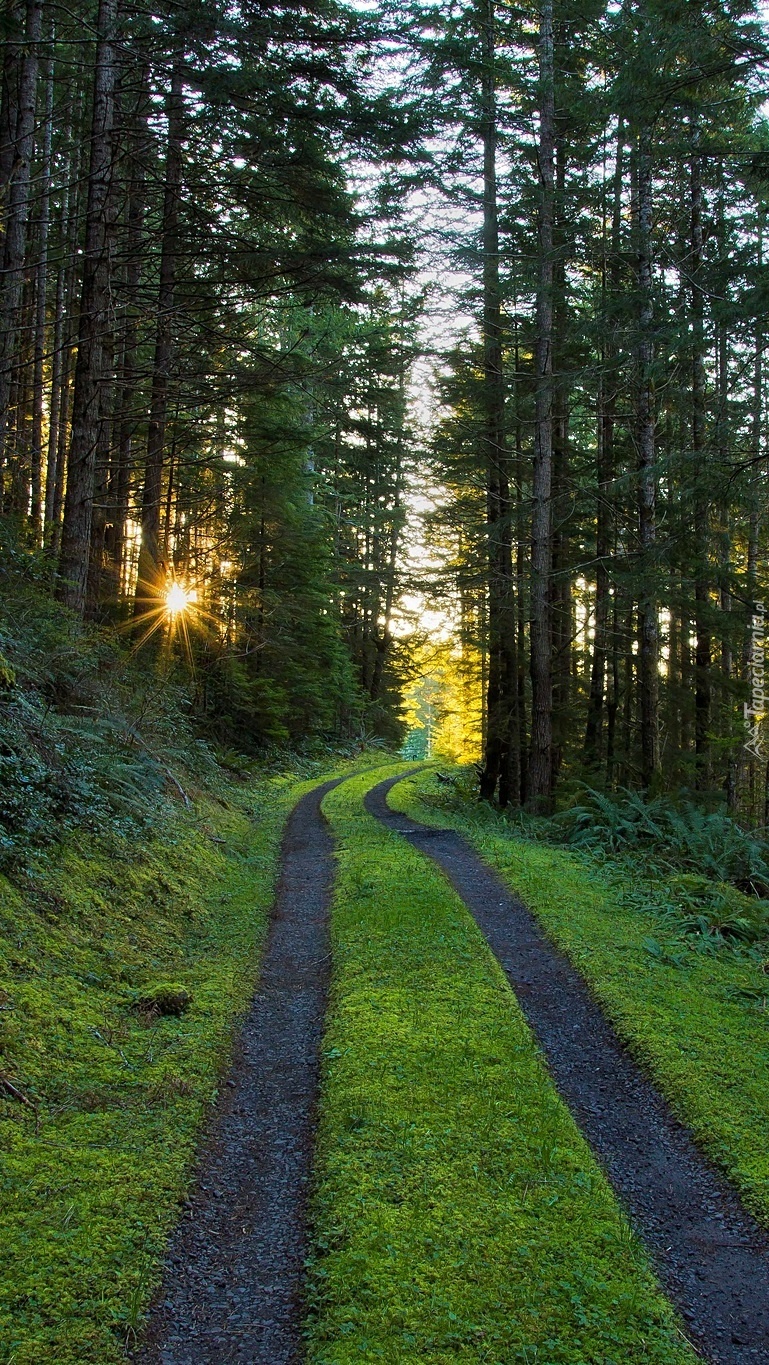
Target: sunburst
175 610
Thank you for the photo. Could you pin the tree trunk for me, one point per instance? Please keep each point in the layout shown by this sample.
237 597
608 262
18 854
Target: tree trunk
754 524
17 213
540 763
607 402
62 343
501 748
725 530
561 597
702 650
648 658
384 636
38 396
151 577
94 303
521 536
612 700
9 95
126 418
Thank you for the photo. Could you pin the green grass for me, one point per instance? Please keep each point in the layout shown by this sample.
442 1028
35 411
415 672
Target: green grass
695 1020
92 1175
458 1213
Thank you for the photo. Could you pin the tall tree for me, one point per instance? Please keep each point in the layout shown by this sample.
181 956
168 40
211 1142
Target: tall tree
541 761
20 98
74 558
151 572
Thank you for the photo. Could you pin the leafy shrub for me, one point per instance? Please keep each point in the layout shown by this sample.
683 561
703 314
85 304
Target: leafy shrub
671 835
718 909
89 737
706 914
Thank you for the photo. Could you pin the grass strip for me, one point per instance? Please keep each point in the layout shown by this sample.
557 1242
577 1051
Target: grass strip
689 1017
93 1168
458 1213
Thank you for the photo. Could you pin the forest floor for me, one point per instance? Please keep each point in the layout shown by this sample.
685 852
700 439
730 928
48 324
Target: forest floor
465 1164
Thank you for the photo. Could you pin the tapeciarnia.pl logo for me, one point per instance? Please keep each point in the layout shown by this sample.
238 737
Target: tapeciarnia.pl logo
757 706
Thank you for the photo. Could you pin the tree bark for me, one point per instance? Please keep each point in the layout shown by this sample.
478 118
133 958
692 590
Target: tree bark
561 597
17 213
384 636
702 651
13 39
500 765
606 414
127 414
41 281
94 304
55 411
541 760
648 658
151 576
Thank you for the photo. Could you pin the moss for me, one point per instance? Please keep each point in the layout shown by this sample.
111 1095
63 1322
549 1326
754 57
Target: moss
94 1168
458 1213
162 1000
694 1017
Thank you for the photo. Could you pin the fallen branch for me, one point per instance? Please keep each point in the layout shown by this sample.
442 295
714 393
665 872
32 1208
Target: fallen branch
176 783
14 1092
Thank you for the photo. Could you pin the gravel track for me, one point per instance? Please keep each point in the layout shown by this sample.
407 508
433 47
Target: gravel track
711 1256
233 1277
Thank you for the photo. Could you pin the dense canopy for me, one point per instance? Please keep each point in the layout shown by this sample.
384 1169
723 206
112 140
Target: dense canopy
277 279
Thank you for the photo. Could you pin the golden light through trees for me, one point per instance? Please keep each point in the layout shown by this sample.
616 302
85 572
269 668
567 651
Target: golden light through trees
179 599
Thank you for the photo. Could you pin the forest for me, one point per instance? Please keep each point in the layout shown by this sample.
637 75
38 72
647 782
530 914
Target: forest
225 239
384 394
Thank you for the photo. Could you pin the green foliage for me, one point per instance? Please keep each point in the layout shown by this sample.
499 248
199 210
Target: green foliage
700 871
694 1019
90 739
669 834
458 1216
716 911
235 703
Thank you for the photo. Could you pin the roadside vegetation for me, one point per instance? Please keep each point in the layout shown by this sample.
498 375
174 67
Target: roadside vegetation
137 865
124 963
459 1215
648 900
138 854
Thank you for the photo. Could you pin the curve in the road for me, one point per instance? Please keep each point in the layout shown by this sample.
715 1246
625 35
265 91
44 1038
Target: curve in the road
710 1254
233 1277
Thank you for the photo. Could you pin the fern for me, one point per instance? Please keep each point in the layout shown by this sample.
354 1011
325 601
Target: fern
670 835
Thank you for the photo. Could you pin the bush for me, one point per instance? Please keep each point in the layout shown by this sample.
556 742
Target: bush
89 737
672 835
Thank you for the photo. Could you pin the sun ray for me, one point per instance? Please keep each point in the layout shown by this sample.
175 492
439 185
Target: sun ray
173 608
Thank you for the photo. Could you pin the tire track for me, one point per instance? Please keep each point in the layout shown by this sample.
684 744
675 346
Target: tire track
233 1277
711 1256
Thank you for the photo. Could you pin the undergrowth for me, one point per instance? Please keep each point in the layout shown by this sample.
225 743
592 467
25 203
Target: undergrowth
676 833
90 738
95 737
458 1215
699 871
677 959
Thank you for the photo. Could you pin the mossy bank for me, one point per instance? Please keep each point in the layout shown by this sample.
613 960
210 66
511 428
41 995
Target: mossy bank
123 967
